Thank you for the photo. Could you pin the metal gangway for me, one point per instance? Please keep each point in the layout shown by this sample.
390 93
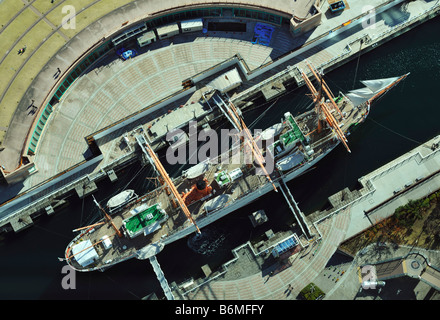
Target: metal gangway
161 277
294 208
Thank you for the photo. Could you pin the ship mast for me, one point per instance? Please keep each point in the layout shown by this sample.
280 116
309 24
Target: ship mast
324 108
239 124
158 165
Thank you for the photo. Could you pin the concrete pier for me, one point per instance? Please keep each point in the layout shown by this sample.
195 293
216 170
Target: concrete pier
251 278
86 189
413 175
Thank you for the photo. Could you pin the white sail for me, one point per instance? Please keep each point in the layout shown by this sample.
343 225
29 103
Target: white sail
356 99
372 88
379 84
363 92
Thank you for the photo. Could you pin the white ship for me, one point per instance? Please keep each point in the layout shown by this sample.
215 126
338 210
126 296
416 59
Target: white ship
212 189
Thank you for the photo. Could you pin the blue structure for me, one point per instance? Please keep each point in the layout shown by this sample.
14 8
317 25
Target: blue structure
284 246
128 54
262 34
337 6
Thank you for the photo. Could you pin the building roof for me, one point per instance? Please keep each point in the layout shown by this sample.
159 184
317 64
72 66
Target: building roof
191 23
168 28
226 81
285 245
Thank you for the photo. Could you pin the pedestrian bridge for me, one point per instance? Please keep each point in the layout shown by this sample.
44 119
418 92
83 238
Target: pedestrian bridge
161 277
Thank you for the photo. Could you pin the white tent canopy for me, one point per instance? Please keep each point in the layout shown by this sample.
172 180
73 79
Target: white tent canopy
84 253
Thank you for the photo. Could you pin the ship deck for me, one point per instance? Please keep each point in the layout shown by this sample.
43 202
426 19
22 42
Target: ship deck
125 247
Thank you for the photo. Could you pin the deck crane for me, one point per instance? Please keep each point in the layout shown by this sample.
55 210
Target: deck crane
237 121
324 108
161 170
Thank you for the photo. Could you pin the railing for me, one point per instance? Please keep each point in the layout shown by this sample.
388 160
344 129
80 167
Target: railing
39 128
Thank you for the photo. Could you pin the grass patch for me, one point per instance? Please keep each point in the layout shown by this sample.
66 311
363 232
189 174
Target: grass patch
92 14
43 5
56 16
16 29
311 292
8 9
14 61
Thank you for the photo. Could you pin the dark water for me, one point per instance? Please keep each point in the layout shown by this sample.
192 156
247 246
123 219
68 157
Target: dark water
410 112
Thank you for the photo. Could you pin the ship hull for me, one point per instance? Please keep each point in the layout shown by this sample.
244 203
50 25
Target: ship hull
208 219
326 144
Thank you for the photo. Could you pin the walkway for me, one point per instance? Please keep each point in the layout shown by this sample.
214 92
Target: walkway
161 277
393 265
299 271
414 265
432 277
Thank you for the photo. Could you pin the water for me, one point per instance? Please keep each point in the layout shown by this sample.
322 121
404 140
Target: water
29 265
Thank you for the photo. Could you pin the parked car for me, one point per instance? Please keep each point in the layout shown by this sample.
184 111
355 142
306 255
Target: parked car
126 54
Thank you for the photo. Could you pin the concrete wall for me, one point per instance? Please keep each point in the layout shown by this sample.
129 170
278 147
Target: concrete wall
298 27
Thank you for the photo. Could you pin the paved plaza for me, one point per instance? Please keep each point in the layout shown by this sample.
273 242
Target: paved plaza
304 268
338 277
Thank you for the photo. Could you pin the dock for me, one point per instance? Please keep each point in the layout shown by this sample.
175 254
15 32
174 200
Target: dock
413 175
346 219
261 76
